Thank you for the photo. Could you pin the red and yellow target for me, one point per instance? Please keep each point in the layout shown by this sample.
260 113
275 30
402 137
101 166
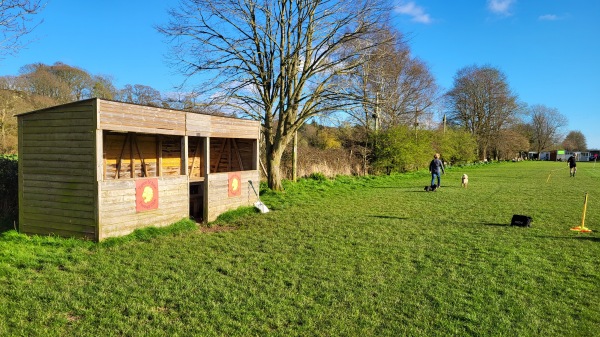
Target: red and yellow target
146 194
235 184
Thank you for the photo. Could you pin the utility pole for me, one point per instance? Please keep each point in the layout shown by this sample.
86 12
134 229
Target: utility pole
376 115
416 122
295 158
444 123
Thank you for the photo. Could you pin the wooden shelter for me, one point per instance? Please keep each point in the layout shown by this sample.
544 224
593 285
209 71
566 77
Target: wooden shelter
98 168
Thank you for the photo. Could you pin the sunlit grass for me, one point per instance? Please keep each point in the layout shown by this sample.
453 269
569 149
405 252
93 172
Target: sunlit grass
344 257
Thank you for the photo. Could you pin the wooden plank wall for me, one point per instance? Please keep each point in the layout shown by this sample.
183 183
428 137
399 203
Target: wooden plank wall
218 197
197 124
233 128
226 154
118 214
121 147
171 155
223 127
58 171
195 158
125 117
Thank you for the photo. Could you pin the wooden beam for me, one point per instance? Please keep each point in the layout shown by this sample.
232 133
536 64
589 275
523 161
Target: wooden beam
184 156
144 171
219 156
228 154
131 157
159 156
194 156
118 173
239 156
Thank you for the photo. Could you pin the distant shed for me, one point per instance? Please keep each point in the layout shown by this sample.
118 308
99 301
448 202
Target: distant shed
98 168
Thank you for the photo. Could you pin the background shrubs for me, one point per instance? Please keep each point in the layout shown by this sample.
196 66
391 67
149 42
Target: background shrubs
9 202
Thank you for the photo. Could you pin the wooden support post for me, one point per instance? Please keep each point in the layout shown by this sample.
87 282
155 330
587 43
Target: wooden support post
159 156
131 157
184 156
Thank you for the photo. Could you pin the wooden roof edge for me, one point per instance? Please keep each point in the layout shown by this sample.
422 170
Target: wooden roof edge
128 103
56 106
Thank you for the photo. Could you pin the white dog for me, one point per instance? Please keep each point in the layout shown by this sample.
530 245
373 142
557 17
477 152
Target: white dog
465 181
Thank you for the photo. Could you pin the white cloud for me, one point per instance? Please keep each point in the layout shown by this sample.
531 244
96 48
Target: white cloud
417 12
500 6
548 17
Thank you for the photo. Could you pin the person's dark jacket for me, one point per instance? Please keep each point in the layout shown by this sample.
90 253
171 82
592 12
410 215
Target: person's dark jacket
436 166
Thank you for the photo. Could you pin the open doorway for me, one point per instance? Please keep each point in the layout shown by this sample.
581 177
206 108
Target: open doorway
196 176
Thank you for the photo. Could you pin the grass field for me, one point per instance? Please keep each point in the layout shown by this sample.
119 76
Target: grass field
348 257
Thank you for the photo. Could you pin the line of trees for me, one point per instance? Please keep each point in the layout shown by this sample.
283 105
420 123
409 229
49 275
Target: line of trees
40 85
289 62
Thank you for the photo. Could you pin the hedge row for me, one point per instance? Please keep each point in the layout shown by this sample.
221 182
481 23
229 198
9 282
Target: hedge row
9 202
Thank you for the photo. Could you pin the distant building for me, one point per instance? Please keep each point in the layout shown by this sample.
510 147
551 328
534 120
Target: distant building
563 155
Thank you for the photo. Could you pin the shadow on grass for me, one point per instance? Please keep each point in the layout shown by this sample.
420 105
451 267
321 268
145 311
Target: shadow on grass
495 224
589 238
388 217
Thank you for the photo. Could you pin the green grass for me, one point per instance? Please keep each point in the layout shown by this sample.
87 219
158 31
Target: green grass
348 257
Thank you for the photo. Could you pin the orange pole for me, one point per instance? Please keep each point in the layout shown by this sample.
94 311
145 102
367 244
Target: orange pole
584 210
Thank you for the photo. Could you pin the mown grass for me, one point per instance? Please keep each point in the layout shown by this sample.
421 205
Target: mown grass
353 256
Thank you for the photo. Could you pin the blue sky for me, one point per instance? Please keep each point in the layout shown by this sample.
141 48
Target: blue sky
548 49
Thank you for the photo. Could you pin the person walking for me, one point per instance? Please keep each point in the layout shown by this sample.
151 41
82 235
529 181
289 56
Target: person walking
572 162
436 168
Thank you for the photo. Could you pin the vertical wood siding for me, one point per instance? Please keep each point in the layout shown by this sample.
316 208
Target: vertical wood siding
57 158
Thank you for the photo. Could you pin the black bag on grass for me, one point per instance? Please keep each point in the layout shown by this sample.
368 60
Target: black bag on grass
521 220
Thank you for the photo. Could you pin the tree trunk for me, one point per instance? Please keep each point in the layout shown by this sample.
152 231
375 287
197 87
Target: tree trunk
273 167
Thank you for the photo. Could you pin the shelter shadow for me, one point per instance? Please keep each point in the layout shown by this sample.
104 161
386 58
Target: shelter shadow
388 217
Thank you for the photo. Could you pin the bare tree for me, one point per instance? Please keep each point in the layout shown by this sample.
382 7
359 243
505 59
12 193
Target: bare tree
482 103
546 125
509 144
15 17
575 141
274 61
393 86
